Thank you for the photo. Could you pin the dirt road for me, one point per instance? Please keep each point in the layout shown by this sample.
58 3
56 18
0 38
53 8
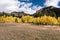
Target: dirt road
24 31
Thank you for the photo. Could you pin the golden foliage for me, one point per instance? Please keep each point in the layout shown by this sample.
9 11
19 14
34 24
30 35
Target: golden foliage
58 20
48 20
27 18
7 19
19 20
30 19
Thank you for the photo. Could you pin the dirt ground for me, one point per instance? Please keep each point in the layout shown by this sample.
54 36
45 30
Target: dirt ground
25 31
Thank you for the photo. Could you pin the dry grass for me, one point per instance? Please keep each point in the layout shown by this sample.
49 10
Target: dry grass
24 31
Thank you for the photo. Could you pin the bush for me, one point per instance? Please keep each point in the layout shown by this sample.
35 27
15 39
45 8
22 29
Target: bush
58 20
27 18
48 20
7 19
36 20
30 19
19 20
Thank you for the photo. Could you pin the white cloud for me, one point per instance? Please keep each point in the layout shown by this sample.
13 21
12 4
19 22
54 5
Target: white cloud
25 0
26 8
52 3
13 5
8 5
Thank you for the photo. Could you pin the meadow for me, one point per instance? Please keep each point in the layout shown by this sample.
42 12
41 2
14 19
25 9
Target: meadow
26 31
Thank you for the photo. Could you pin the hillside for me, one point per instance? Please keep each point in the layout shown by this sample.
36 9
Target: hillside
52 11
17 14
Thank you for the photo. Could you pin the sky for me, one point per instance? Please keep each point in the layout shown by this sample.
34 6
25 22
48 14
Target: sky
27 6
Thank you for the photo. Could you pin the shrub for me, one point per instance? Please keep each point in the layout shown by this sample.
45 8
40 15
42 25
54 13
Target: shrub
19 20
36 20
30 19
27 18
58 20
10 19
7 19
48 20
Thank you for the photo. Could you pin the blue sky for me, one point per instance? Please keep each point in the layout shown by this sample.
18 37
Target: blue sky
59 3
37 2
27 6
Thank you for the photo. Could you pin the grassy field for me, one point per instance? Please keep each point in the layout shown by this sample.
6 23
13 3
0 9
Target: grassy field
24 31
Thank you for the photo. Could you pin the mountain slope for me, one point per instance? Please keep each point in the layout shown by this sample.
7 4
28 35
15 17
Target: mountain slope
52 11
